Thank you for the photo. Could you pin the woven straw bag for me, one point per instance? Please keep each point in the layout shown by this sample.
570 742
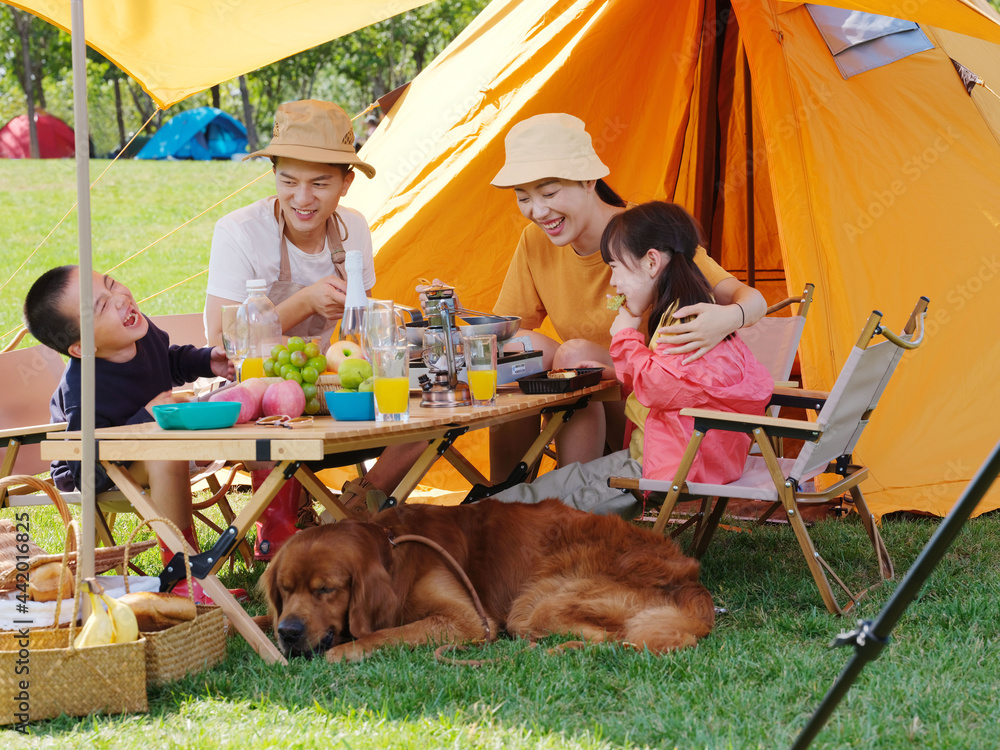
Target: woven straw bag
43 675
186 648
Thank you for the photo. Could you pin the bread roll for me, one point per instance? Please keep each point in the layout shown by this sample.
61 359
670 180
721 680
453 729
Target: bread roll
615 302
158 611
43 582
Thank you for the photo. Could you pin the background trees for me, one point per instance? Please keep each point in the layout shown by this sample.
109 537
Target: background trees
353 71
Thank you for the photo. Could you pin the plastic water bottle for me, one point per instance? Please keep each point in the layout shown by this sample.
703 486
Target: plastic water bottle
265 328
352 325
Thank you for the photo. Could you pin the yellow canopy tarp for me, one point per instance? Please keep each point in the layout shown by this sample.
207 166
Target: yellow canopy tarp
878 189
177 48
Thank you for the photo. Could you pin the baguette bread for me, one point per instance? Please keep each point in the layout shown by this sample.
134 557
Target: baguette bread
43 582
158 611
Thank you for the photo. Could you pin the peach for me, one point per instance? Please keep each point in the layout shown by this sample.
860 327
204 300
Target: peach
285 398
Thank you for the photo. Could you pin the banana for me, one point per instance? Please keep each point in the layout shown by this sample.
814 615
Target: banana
126 624
99 630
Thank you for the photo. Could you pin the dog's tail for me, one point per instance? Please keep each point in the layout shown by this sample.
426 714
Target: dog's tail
668 627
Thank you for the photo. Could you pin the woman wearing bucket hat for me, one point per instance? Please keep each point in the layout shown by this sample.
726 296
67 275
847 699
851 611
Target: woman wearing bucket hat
557 272
296 240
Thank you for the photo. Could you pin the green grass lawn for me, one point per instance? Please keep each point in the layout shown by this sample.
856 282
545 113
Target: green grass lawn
132 206
752 684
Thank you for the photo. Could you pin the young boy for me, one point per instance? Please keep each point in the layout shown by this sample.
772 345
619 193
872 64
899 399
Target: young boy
135 369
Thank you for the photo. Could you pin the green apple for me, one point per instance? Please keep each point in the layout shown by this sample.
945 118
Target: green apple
367 385
353 372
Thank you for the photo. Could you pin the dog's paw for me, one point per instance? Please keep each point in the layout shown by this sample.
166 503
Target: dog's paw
345 652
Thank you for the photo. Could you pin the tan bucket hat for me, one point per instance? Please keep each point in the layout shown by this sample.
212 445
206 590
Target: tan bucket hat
549 145
311 130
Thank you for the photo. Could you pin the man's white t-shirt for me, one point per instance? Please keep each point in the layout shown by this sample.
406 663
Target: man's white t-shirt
245 246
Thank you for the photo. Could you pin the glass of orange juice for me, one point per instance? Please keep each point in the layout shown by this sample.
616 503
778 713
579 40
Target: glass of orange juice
481 368
391 372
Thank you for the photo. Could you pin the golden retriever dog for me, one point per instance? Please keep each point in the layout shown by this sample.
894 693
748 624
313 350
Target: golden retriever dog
347 589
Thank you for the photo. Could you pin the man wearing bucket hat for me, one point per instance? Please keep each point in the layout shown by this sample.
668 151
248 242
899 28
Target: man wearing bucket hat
557 272
296 240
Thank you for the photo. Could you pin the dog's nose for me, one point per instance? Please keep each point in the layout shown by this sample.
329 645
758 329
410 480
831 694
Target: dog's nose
291 630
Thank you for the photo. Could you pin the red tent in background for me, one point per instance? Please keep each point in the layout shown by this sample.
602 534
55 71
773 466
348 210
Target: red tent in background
55 138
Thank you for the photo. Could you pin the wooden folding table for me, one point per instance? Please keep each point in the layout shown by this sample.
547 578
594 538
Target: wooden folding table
291 449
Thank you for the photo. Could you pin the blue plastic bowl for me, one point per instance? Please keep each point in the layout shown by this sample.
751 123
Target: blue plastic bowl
197 415
351 406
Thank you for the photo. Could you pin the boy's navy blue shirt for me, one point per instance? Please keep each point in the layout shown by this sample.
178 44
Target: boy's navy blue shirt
121 392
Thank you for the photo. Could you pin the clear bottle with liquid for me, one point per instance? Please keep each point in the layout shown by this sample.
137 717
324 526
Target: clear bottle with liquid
265 328
352 325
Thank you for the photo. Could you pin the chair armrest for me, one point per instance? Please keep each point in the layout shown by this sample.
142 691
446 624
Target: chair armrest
798 397
707 419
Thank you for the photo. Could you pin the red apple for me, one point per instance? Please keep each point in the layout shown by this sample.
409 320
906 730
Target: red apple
339 351
285 398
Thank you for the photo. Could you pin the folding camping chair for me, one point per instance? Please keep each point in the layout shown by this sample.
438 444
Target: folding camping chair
829 442
33 374
774 339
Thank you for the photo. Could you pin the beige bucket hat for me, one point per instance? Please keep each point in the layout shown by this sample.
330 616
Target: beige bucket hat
311 130
549 145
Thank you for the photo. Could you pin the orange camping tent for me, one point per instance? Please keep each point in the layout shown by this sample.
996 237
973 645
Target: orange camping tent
878 187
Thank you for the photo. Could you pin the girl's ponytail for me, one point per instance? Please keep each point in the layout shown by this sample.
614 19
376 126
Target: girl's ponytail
668 228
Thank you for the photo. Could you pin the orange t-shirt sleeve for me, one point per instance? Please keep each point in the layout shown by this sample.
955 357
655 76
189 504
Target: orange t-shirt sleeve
712 270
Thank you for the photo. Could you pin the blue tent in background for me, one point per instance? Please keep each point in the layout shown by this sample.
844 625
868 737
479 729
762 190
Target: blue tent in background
203 133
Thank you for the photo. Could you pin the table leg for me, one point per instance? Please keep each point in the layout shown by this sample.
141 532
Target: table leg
240 620
434 450
321 492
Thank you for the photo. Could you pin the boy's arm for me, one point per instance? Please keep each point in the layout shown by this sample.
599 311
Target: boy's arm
188 363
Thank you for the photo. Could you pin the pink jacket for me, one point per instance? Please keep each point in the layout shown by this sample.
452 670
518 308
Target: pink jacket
727 378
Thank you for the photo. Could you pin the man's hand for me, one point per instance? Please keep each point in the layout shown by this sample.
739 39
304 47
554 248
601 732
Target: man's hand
221 365
711 324
327 296
625 319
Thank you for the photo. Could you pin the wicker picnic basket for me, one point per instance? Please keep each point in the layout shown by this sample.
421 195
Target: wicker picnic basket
186 648
43 675
326 383
18 557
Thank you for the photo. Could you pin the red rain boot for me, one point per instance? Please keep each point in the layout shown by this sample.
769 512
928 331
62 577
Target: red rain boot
181 588
277 523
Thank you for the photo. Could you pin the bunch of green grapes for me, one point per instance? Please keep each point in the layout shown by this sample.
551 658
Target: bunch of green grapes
300 361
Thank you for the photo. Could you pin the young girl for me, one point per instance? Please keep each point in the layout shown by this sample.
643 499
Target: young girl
650 249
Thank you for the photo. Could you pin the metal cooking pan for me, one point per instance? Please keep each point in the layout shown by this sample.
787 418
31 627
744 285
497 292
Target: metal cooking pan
503 327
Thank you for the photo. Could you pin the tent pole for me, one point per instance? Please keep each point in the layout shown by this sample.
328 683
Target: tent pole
748 117
81 128
707 191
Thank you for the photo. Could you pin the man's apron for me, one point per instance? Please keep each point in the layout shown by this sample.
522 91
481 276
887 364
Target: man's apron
313 326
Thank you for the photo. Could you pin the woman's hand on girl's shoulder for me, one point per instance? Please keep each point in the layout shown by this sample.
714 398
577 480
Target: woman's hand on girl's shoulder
710 325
